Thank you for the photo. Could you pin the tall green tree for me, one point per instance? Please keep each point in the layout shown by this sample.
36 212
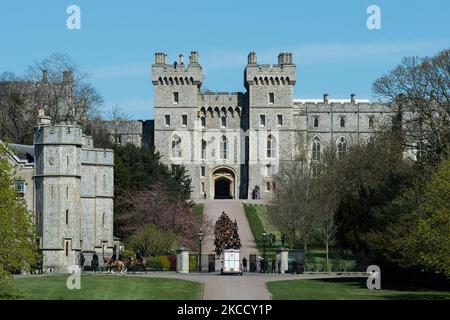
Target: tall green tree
17 232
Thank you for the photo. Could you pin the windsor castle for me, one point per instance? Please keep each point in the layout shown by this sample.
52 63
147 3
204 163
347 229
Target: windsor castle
231 143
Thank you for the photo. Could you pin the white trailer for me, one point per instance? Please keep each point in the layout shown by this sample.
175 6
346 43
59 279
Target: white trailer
231 263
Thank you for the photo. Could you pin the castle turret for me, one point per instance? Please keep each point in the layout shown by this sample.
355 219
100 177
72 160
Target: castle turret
58 184
270 90
176 93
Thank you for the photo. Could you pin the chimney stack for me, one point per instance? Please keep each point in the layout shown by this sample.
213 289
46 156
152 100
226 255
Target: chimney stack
282 58
193 58
252 58
181 59
325 98
160 58
42 118
45 76
67 76
353 98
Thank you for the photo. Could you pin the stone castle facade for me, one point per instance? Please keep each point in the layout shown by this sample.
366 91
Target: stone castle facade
233 143
68 185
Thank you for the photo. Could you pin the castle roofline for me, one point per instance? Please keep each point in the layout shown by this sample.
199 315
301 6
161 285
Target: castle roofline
342 101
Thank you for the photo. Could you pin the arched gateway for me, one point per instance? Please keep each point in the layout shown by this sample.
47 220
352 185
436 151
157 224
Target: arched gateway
223 183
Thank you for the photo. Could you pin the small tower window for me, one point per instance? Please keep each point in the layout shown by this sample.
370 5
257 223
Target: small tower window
66 247
371 120
203 121
203 150
223 148
342 122
271 98
67 217
176 147
184 119
167 119
223 122
316 122
271 147
67 193
262 120
103 220
268 186
176 97
20 187
203 171
280 120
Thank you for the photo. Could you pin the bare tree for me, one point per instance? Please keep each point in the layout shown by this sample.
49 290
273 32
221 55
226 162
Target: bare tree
64 89
293 208
56 84
327 199
16 115
419 90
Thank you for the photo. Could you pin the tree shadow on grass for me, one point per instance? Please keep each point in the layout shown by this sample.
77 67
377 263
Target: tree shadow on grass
401 294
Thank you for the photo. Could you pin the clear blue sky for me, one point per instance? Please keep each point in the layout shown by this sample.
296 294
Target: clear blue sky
333 49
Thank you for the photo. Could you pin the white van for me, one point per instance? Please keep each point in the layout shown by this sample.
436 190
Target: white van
231 263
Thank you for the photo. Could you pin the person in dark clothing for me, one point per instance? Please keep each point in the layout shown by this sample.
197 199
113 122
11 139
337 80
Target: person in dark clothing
283 239
244 264
274 265
94 262
261 265
279 266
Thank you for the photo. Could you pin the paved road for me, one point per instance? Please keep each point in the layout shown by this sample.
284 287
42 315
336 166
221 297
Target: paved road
250 286
235 210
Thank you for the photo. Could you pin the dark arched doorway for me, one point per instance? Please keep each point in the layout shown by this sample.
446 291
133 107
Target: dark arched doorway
222 189
223 183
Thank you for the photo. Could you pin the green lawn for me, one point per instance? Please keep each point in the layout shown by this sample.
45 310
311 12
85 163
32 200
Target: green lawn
108 287
258 219
343 289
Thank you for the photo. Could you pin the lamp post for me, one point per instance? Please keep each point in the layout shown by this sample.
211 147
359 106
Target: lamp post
200 238
264 237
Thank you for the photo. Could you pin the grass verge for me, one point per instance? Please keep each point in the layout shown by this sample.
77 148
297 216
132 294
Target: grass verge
108 287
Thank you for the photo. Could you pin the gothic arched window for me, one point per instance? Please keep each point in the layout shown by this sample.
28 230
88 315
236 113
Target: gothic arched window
223 148
271 147
342 147
203 122
176 147
316 149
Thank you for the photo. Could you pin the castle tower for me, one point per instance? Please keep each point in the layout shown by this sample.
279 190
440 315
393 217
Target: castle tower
272 130
176 93
58 183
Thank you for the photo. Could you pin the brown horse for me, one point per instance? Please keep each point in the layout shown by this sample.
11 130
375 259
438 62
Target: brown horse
111 265
138 264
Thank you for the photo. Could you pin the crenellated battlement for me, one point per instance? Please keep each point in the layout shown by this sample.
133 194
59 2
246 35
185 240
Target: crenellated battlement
283 73
176 74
